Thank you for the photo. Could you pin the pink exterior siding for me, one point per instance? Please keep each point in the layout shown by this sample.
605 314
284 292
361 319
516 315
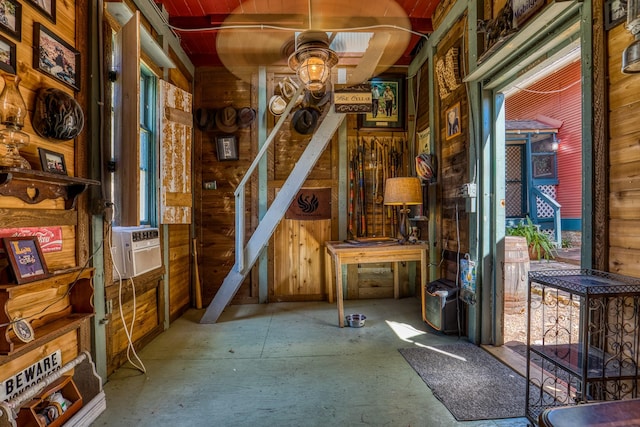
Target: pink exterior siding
564 105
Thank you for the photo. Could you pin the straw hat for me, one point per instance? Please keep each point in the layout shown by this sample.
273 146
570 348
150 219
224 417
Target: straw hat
226 119
277 105
304 120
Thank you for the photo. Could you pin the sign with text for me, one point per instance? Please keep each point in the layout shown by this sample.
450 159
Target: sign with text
50 238
30 376
353 99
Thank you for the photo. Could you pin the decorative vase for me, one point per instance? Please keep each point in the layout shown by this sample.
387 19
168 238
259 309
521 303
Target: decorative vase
12 112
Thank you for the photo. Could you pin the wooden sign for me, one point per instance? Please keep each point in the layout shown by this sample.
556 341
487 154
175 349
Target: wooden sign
30 376
353 99
311 204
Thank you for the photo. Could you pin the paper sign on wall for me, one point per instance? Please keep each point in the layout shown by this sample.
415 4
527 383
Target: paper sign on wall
50 238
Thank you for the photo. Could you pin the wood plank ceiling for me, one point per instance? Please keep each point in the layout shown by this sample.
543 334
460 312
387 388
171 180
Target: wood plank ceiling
194 22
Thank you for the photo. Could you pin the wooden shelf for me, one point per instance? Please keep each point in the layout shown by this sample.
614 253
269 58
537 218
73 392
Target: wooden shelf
48 325
33 186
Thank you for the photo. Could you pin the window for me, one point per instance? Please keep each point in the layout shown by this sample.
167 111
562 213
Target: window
148 172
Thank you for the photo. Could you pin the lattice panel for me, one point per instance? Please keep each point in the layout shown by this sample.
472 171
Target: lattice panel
544 209
513 187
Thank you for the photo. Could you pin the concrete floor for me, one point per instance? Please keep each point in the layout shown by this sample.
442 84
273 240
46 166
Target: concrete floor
284 364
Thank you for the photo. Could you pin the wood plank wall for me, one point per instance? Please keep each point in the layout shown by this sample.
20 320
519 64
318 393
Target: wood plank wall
452 220
624 159
15 213
214 210
150 297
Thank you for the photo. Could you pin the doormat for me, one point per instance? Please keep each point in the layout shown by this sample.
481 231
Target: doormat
470 382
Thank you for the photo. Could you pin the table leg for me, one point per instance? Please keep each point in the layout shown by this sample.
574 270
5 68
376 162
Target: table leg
339 292
423 269
328 274
396 280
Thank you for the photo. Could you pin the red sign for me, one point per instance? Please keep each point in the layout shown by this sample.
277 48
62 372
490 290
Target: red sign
50 238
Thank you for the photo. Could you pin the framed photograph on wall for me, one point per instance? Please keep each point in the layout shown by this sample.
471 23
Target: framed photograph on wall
452 118
7 56
25 258
45 7
52 162
387 109
227 147
11 18
55 57
615 12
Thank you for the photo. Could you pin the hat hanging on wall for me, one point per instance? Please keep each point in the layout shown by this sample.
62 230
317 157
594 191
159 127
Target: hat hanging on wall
205 118
304 120
246 116
277 105
226 119
57 115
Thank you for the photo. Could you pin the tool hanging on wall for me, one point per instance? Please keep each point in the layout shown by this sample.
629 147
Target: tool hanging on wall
362 202
352 201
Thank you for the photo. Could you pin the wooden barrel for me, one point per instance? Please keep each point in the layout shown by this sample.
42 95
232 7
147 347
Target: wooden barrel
516 271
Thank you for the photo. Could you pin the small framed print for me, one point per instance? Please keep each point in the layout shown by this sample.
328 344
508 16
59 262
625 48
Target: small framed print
11 18
615 12
25 258
46 7
52 162
55 57
23 330
452 117
227 147
7 56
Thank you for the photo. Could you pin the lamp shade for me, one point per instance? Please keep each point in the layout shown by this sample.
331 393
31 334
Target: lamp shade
402 191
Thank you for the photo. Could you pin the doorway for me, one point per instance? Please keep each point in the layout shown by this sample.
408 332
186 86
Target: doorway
543 179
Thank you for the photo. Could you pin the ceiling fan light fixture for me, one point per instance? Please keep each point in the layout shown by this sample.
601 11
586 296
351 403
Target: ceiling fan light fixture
313 59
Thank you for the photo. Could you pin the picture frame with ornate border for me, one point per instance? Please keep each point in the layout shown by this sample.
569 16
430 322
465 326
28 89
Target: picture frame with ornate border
52 162
385 116
11 18
23 330
45 7
55 57
615 13
25 258
7 55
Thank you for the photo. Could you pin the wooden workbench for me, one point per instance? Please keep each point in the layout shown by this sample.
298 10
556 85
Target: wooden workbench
339 253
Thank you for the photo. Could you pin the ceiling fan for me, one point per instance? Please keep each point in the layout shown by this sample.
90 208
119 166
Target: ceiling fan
367 36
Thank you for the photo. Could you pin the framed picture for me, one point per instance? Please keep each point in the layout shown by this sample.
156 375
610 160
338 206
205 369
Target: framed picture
55 57
227 146
453 121
46 7
387 104
7 56
11 18
615 12
52 162
25 258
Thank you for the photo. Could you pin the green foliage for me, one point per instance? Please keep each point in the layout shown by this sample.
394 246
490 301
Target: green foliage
539 242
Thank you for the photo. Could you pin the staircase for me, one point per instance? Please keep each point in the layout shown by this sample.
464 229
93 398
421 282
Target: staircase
246 256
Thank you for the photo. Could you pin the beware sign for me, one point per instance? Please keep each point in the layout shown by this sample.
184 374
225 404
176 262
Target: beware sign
30 376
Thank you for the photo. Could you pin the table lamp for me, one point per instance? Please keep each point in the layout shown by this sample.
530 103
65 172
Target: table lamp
402 191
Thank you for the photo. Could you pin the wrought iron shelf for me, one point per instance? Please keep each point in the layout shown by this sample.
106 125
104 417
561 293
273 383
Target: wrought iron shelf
33 186
582 338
